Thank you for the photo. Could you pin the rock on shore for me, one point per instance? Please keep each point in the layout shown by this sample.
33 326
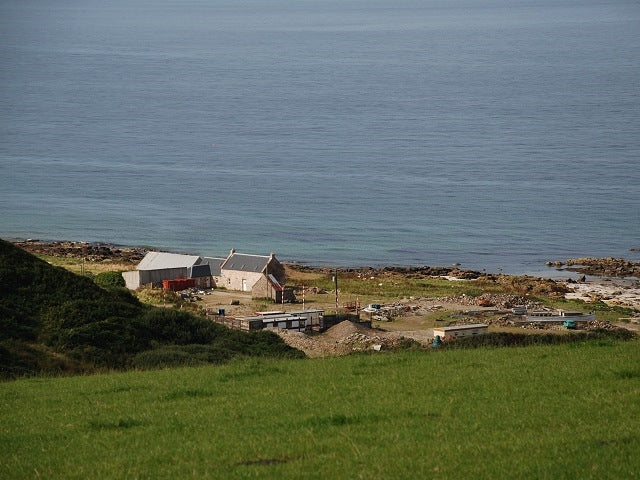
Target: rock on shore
609 267
424 271
92 252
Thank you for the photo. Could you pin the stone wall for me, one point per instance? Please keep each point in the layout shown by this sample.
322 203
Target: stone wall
232 279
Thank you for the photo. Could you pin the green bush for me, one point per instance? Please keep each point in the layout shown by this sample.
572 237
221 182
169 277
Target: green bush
109 279
15 323
170 326
155 296
48 313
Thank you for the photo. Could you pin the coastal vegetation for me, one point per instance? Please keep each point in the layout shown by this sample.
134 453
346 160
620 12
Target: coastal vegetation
54 321
111 278
558 406
390 285
603 311
562 412
363 285
385 284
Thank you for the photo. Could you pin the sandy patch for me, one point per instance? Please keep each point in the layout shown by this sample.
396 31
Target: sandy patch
613 291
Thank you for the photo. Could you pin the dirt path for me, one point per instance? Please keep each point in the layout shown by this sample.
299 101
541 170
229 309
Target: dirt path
216 299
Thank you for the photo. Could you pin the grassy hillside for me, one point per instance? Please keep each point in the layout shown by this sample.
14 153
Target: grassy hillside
52 320
561 412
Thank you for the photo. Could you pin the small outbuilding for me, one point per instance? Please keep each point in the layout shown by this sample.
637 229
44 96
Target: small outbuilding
457 331
156 267
300 321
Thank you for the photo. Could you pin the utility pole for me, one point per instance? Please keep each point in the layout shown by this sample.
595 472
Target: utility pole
335 280
266 274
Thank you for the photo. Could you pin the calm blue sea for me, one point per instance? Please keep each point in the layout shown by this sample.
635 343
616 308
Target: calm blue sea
498 134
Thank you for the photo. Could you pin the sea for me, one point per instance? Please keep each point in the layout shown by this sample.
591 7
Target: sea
494 134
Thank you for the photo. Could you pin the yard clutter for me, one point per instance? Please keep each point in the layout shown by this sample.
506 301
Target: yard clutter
178 284
342 339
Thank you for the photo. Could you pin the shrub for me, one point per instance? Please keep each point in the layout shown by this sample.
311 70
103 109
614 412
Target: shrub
168 326
52 320
109 279
15 323
158 296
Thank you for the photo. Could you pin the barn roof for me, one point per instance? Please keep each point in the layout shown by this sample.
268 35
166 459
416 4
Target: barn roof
162 260
214 265
246 263
198 271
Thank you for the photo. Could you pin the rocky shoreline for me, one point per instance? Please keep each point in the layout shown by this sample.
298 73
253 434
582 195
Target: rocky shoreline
412 272
615 281
602 267
100 251
91 252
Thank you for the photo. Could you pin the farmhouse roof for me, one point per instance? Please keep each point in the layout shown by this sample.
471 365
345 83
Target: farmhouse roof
246 263
275 284
162 260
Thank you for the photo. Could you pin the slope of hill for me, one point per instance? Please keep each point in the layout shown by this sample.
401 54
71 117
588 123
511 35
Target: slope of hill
550 412
52 320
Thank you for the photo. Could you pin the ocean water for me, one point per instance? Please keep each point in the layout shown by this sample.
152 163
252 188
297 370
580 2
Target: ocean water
497 134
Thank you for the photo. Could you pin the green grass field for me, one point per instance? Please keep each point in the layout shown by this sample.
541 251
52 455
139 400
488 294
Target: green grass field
397 286
557 412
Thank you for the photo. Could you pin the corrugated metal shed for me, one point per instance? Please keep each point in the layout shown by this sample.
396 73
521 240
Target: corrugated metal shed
162 260
246 263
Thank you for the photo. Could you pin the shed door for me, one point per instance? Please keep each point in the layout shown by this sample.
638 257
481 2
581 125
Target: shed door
244 284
